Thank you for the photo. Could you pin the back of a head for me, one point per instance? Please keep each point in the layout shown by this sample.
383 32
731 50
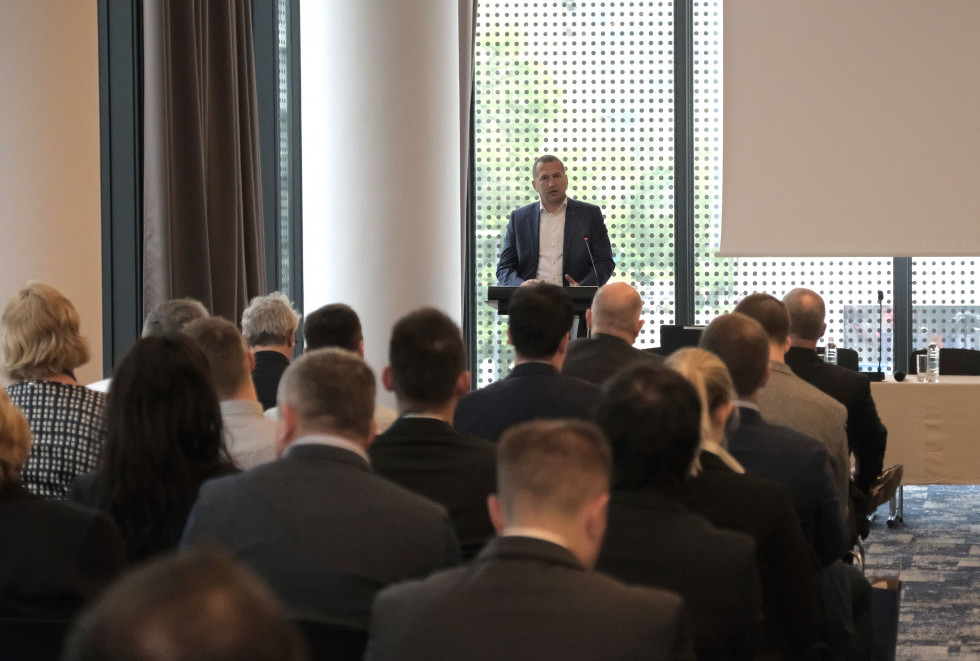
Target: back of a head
539 317
768 311
710 378
171 316
330 391
196 606
551 468
806 313
334 325
742 344
617 306
270 320
426 355
652 418
15 440
39 334
224 348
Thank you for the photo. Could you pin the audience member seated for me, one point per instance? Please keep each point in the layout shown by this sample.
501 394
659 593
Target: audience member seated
790 401
337 325
421 451
538 324
188 607
41 348
249 435
531 593
164 440
54 556
614 320
269 324
166 318
317 523
800 463
866 435
652 417
720 491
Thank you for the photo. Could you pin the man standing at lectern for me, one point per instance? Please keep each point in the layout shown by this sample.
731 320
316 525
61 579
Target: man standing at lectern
550 240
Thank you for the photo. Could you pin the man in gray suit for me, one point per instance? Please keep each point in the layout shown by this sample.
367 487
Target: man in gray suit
790 401
614 320
317 523
531 593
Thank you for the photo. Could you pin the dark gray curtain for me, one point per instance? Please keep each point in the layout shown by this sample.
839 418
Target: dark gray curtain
203 227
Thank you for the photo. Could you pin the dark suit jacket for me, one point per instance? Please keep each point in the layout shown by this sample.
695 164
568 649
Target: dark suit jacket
652 540
866 435
802 465
525 598
54 556
531 390
597 358
269 366
431 458
764 510
324 531
519 257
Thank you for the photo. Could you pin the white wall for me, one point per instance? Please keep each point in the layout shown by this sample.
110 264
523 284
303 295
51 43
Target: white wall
382 227
49 156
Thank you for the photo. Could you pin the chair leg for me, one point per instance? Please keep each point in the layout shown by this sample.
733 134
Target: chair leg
896 511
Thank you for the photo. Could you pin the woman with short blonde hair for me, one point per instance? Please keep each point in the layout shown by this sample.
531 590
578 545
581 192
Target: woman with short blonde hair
42 346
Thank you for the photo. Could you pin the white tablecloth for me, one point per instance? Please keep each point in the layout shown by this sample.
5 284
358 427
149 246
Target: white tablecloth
933 428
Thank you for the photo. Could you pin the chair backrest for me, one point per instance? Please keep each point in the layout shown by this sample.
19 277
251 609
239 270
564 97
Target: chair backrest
334 642
38 640
674 337
953 362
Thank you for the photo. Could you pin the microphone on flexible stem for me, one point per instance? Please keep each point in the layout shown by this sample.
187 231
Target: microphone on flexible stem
591 259
879 375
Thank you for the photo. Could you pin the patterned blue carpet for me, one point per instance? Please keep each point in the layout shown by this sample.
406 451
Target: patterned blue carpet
937 552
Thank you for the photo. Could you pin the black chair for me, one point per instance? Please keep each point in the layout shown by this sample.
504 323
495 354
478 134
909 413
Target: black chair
37 640
954 362
333 642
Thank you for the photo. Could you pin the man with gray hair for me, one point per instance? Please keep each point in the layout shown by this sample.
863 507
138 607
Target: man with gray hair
318 524
614 320
269 324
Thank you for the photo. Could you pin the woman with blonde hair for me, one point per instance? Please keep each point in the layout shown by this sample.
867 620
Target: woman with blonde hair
42 347
721 492
54 556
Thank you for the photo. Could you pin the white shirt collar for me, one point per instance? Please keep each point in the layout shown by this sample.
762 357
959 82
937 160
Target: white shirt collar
535 533
561 207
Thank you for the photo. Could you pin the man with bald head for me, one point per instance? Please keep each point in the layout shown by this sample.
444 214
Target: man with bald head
614 320
866 435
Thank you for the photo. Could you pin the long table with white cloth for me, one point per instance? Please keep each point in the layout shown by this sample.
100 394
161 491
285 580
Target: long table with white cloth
933 428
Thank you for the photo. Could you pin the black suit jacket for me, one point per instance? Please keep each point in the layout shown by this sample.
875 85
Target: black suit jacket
324 531
54 556
764 510
866 435
652 540
531 390
519 256
269 367
597 358
431 458
802 465
525 598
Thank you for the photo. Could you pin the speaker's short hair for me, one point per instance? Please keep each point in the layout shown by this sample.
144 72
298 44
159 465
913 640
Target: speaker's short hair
652 417
224 347
334 325
768 311
539 316
426 357
330 390
171 316
270 320
39 334
545 158
742 344
552 466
